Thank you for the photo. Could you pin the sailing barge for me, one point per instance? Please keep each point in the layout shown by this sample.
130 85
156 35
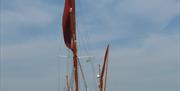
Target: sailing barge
70 40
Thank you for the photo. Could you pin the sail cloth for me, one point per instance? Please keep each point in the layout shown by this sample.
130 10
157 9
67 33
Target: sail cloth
105 61
104 69
68 23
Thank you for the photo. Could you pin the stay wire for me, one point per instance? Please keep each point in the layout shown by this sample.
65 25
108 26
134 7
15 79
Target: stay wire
82 73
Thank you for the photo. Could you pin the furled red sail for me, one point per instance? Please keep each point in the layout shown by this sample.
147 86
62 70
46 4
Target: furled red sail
104 69
68 23
105 61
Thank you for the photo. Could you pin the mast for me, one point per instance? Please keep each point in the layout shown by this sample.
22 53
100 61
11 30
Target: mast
75 63
75 51
69 32
104 69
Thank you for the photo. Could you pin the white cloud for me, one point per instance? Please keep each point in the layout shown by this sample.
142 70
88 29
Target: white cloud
157 58
39 49
154 10
152 65
28 13
28 17
111 20
154 62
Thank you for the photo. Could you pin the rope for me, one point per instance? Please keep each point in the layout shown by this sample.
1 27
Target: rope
85 83
72 80
94 75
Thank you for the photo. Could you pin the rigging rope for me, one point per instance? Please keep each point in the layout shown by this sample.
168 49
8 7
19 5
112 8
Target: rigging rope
85 83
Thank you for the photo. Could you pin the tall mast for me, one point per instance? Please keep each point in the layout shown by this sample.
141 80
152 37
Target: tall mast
75 51
104 69
75 64
69 32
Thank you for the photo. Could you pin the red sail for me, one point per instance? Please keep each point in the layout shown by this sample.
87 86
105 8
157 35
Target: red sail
105 61
104 69
68 23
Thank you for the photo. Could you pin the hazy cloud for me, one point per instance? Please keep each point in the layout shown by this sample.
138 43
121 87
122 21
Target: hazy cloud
143 34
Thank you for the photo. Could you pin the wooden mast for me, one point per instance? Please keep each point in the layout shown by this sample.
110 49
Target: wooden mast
74 44
75 64
69 32
104 69
106 76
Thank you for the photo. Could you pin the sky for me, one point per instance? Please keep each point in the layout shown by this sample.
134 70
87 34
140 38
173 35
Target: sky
144 38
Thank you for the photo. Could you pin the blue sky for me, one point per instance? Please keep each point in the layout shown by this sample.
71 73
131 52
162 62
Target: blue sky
143 34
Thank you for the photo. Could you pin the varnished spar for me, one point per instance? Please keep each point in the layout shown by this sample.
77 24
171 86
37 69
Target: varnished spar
102 86
69 32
